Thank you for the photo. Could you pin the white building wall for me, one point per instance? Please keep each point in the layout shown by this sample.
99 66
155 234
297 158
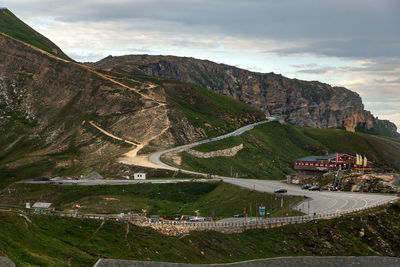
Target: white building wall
139 176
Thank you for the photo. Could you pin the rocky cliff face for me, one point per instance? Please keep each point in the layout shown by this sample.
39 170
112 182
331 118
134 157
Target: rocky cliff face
302 103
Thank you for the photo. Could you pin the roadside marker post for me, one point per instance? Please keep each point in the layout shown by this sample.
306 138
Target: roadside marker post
261 211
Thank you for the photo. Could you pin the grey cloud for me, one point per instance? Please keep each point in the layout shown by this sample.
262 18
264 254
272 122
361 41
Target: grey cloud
300 66
351 48
386 81
344 28
255 69
389 68
84 57
320 70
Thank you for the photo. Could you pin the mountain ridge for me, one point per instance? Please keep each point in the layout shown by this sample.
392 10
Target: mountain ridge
12 26
303 103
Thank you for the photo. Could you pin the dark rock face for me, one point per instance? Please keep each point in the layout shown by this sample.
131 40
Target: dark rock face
311 104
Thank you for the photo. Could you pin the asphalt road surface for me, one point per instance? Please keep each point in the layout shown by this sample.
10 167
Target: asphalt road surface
116 182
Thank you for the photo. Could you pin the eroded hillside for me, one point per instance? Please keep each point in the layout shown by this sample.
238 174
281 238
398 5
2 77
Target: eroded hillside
47 104
312 104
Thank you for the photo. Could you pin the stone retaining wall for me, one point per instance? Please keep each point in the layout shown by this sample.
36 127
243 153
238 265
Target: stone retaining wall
229 152
178 228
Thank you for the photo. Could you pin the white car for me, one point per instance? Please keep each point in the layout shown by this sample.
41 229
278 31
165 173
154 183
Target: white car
197 219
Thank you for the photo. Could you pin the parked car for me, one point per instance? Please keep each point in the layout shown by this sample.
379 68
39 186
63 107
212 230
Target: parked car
197 219
305 186
314 188
280 191
41 179
238 216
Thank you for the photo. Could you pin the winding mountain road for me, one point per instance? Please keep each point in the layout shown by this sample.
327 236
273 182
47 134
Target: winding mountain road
155 157
323 202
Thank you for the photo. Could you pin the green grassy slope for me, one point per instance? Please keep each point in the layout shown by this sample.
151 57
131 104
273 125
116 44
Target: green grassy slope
15 143
161 199
382 128
214 113
41 240
270 150
220 145
203 107
14 27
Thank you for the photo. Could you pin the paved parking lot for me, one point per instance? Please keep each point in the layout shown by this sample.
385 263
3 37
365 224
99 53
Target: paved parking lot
320 201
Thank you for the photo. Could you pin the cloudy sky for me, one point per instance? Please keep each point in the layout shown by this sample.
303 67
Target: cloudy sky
351 43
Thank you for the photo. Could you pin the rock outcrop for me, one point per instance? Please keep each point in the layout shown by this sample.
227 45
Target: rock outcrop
229 152
303 103
382 183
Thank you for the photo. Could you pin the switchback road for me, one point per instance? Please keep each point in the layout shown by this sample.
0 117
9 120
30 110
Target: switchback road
319 202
